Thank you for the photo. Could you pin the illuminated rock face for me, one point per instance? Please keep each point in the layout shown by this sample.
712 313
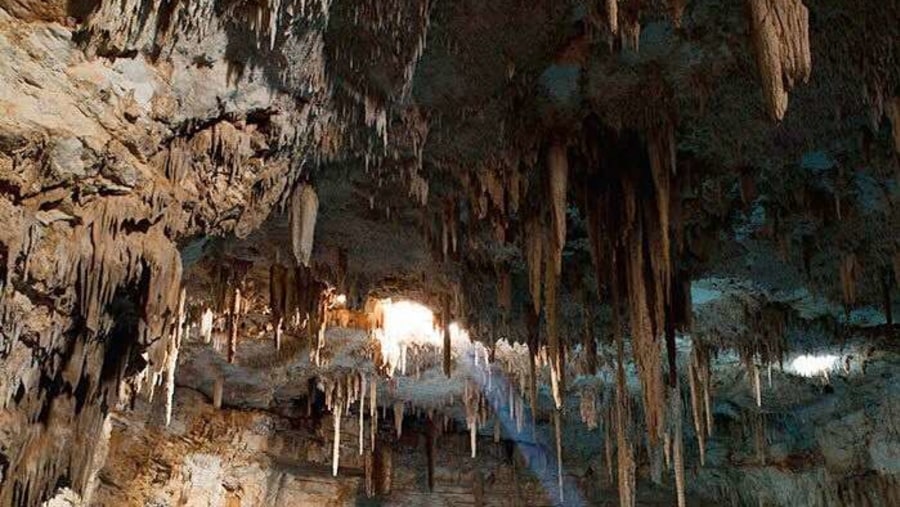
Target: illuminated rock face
290 252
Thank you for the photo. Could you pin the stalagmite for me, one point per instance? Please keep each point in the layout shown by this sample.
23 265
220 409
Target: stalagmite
303 211
781 42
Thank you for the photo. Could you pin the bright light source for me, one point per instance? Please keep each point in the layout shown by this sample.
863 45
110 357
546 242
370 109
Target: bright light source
340 300
406 323
811 366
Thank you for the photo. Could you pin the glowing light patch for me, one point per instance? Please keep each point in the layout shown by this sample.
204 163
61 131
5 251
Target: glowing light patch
406 323
811 366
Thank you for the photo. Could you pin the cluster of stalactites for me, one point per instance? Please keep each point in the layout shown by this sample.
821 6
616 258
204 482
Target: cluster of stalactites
544 240
699 380
112 258
633 213
298 301
125 24
340 393
624 20
267 18
104 259
781 41
655 298
476 412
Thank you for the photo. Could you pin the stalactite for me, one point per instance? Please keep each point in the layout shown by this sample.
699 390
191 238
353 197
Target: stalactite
336 451
588 407
172 357
630 24
625 454
676 11
781 42
558 169
646 346
694 383
608 443
757 386
849 274
551 281
218 388
373 410
303 211
678 445
234 324
557 426
655 461
398 418
588 343
612 16
532 327
445 317
470 401
362 411
892 110
206 325
534 256
667 449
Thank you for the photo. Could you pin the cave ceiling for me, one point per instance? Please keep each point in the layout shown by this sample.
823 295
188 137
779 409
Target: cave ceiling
613 202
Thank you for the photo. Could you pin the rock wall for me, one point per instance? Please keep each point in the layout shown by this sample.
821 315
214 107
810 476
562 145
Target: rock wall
109 156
